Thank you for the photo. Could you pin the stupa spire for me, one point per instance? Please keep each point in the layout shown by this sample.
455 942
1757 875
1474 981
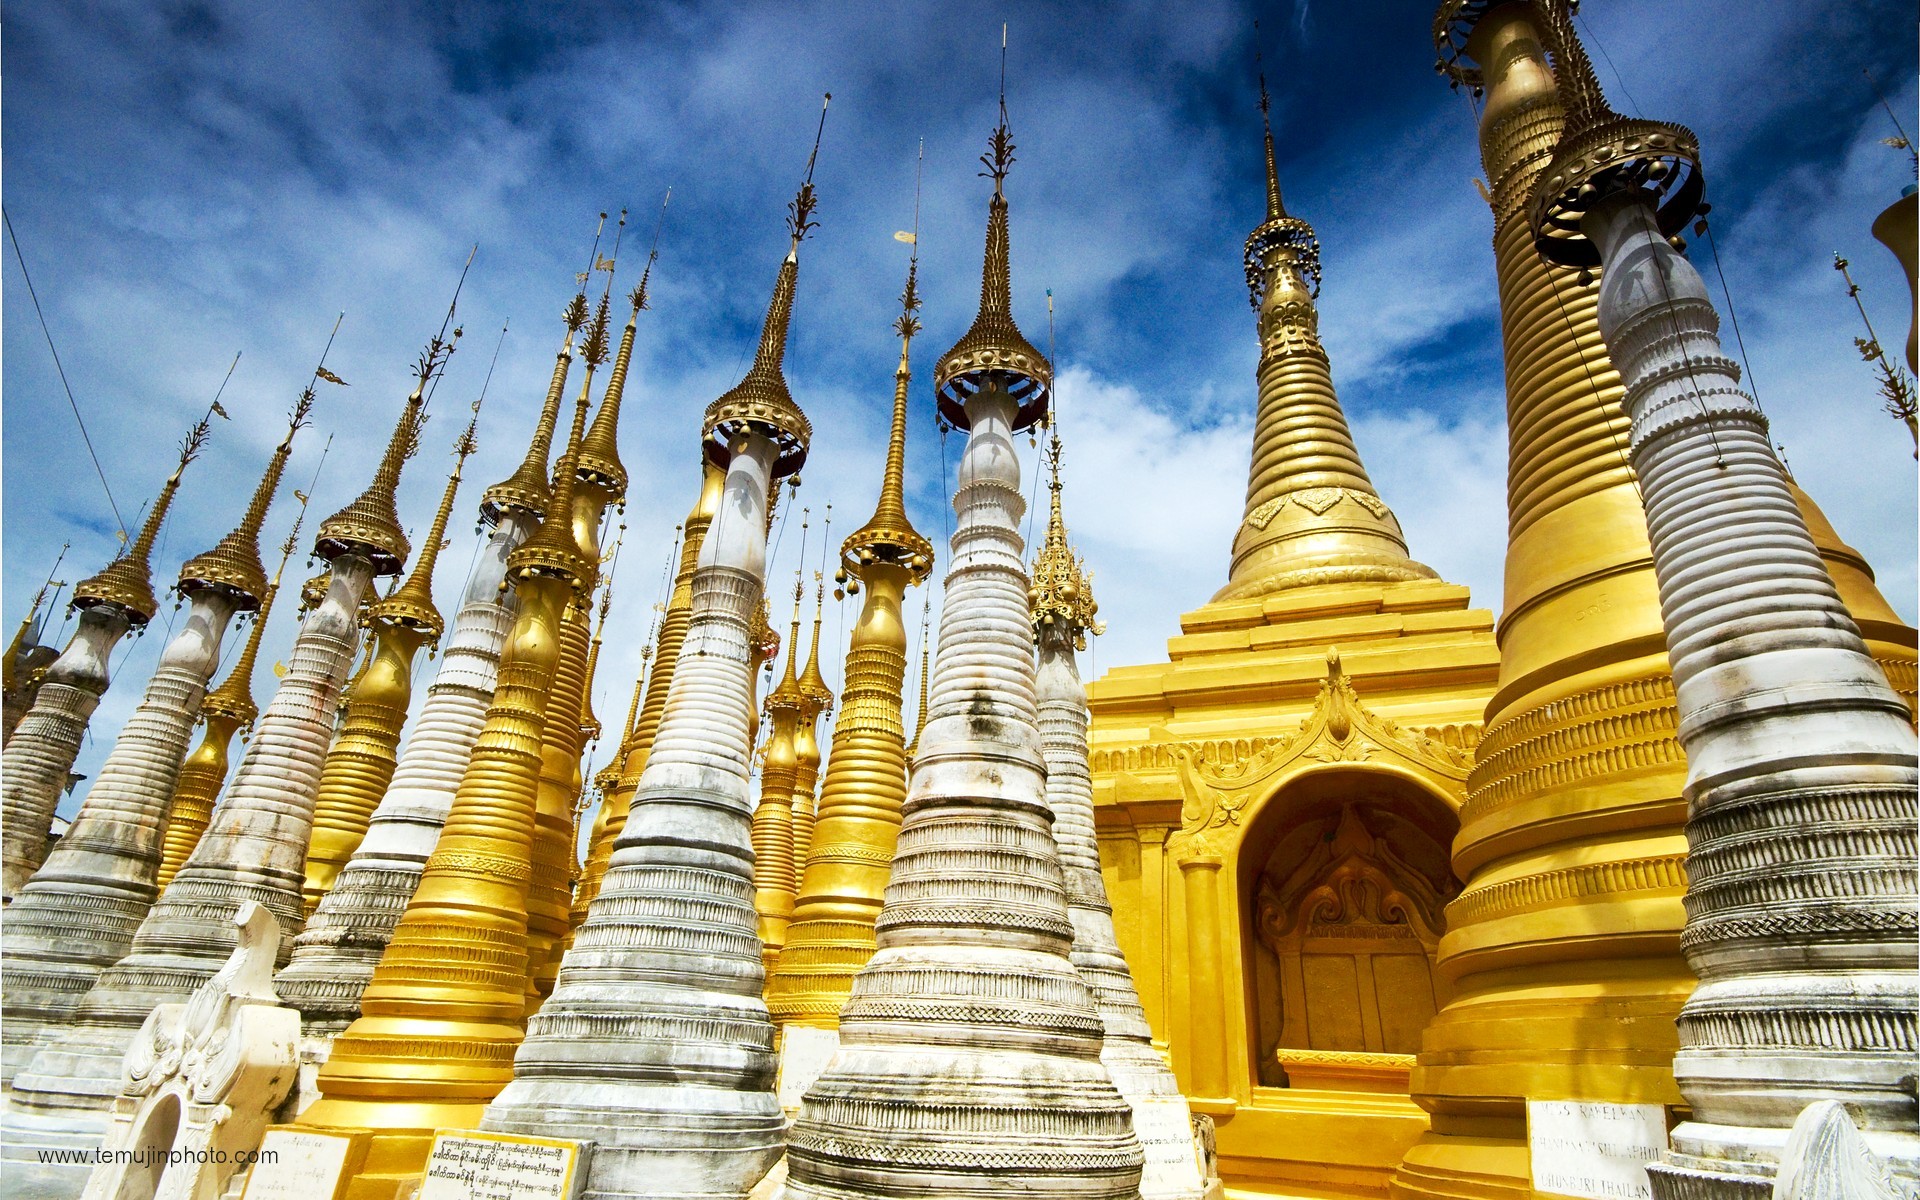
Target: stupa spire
527 489
126 584
1063 611
41 752
1312 515
775 870
697 1105
850 838
234 564
930 1080
228 710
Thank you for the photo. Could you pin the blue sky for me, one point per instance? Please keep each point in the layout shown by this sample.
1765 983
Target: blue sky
192 179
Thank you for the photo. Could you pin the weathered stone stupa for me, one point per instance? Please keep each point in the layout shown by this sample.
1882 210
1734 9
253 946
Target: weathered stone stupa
105 865
656 1044
39 755
970 1046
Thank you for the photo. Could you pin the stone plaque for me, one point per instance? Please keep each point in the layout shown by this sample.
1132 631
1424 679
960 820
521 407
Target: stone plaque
466 1164
1165 1131
804 1055
1594 1151
297 1165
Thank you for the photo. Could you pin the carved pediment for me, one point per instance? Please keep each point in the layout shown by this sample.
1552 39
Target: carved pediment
1340 729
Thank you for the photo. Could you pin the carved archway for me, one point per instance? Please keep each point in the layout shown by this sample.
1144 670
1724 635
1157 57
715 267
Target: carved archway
1344 881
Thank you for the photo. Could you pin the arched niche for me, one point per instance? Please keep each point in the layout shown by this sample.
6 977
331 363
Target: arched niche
1344 876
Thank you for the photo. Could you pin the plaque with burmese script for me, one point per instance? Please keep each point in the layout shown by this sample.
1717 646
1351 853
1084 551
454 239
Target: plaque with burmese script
298 1164
1594 1151
467 1164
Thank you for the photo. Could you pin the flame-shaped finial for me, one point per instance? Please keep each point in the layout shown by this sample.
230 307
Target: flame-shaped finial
1061 595
994 348
127 583
554 551
762 399
234 564
1283 241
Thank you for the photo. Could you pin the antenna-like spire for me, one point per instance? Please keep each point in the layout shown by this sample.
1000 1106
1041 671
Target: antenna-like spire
371 524
762 399
600 453
1275 207
994 348
127 583
527 490
412 604
553 550
234 564
926 659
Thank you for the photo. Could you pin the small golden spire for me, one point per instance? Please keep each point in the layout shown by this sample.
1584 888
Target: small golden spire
589 720
889 535
1283 241
813 685
926 660
127 582
600 453
412 604
234 564
527 490
553 550
762 398
1061 596
787 693
994 347
39 599
234 696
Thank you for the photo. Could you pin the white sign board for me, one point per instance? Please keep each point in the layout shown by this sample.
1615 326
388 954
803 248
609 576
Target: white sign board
469 1165
298 1166
1594 1151
805 1055
1165 1129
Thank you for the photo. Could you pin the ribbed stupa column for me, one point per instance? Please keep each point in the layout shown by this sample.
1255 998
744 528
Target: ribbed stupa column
78 914
970 1047
440 1019
1801 767
655 1044
1578 775
335 955
255 847
1063 614
1312 513
845 872
360 765
602 481
816 700
37 759
228 710
774 873
666 660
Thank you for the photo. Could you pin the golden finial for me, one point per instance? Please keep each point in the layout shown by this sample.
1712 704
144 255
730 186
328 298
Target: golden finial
370 525
127 583
589 720
234 697
553 550
1283 241
994 348
600 462
762 398
889 535
234 564
412 604
813 685
1602 153
527 490
926 659
1061 596
786 695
